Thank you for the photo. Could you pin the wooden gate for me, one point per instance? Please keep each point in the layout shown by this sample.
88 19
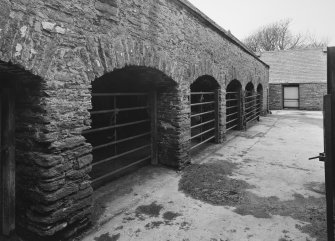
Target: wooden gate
233 110
252 106
122 134
7 160
204 117
329 142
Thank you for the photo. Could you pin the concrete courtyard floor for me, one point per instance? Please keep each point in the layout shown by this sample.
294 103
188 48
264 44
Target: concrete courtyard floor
284 190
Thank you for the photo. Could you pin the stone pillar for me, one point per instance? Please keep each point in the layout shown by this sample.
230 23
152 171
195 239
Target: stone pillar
173 127
54 192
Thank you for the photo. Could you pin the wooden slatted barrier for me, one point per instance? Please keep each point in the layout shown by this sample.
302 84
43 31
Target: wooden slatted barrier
232 110
121 134
252 106
204 118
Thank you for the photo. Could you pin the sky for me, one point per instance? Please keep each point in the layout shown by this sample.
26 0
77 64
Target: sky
242 17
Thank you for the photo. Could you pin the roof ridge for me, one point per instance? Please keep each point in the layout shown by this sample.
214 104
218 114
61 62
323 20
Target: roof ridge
294 50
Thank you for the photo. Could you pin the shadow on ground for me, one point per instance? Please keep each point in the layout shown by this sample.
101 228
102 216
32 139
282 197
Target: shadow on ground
211 183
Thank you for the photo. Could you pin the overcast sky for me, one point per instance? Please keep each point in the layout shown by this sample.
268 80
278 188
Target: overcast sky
242 17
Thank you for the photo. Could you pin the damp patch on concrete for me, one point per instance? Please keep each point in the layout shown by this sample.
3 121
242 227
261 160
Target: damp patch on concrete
151 210
155 224
185 226
107 237
211 183
119 228
170 216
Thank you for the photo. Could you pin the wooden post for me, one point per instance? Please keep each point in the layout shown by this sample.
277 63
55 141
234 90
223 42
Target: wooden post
330 144
239 109
268 100
1 176
244 123
153 116
8 161
217 115
327 122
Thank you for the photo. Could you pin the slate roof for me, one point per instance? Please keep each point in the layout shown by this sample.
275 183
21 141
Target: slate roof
297 66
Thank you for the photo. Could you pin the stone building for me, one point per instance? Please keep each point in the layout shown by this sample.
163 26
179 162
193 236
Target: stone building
298 78
91 89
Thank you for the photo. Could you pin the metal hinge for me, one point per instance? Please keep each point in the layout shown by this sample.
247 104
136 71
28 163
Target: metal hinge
321 157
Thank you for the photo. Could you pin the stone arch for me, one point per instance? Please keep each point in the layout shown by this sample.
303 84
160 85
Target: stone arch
122 92
205 83
234 113
259 87
205 68
250 87
234 85
205 97
106 57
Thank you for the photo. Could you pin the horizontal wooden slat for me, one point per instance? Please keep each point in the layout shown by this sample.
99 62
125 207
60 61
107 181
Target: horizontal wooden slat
253 106
202 124
248 113
120 170
232 127
118 110
253 118
203 103
202 133
252 96
250 117
231 121
232 92
199 144
120 141
118 94
230 100
203 113
114 126
120 155
202 93
231 107
250 101
232 114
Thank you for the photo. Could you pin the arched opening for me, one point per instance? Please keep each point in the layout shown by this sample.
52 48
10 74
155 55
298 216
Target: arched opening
204 111
21 123
233 106
250 103
132 121
259 100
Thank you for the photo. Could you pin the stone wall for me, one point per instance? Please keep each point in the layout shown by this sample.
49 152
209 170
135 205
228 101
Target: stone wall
276 97
68 44
311 96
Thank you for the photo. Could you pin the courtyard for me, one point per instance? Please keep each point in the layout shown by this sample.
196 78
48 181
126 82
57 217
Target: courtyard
258 185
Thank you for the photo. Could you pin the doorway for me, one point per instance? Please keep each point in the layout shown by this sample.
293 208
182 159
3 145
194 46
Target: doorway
291 97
